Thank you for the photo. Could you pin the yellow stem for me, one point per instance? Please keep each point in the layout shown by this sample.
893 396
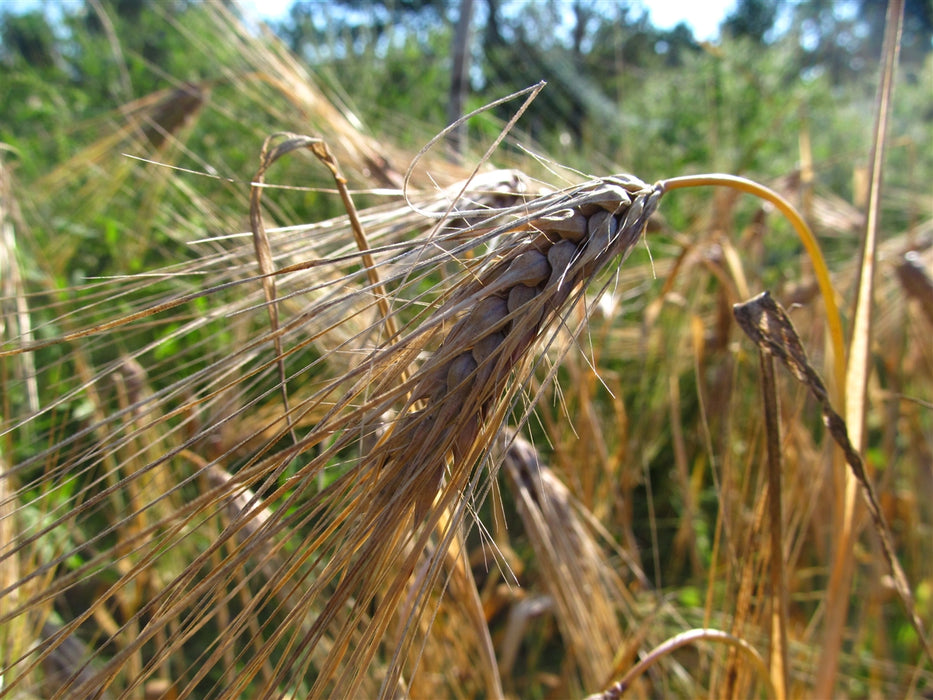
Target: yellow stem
809 242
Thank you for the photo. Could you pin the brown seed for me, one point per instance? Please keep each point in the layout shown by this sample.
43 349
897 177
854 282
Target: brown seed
487 345
633 213
529 267
465 435
520 295
485 316
543 241
461 367
612 197
569 224
484 352
625 181
560 256
602 228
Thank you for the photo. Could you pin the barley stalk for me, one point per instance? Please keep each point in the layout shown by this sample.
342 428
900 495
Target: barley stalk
422 465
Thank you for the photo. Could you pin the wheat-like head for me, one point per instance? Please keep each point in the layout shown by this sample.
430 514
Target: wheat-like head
323 585
499 313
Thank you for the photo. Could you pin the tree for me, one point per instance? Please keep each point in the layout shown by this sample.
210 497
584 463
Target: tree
751 18
28 40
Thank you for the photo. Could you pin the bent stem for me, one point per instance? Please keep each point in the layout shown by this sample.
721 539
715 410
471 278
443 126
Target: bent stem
617 690
323 154
767 324
806 237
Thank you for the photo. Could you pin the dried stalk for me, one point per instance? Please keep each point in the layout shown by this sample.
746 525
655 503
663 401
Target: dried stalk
767 324
778 660
857 374
407 490
618 689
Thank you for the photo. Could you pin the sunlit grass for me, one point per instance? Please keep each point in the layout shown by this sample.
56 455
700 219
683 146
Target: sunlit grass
157 514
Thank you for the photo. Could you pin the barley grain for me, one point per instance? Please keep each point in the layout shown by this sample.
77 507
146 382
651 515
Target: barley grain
460 370
561 257
567 223
529 268
484 352
612 197
633 213
487 315
520 295
601 230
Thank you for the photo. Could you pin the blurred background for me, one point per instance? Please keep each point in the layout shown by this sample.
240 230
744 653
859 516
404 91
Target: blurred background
657 433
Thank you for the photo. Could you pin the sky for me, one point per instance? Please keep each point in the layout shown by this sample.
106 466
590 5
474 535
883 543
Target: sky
703 16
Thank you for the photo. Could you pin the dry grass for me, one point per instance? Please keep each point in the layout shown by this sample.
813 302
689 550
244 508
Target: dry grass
168 520
509 283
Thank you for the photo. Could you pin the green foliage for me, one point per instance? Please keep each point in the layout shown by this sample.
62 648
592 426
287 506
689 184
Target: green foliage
622 95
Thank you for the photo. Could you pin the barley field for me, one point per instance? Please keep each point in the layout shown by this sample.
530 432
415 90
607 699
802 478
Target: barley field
307 394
